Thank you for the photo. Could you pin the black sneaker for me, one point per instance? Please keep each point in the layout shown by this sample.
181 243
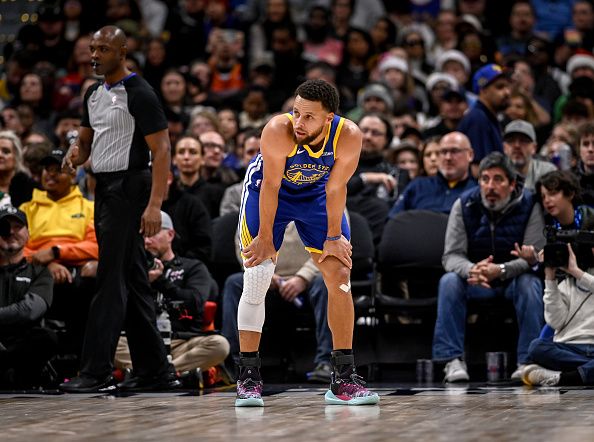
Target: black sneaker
87 384
161 383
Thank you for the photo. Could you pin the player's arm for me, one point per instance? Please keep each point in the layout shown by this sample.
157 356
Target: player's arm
276 144
160 147
348 150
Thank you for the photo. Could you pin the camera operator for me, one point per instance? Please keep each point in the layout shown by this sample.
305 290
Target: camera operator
569 310
186 285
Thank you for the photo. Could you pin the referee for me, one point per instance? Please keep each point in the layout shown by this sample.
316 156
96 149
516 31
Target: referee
122 121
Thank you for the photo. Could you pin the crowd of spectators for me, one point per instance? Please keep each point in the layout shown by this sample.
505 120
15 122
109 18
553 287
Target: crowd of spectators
435 89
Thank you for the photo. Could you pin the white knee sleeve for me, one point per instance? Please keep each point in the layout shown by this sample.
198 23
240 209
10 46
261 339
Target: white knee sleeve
251 311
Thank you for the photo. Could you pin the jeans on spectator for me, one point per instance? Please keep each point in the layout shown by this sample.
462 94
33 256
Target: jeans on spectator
559 356
318 298
524 290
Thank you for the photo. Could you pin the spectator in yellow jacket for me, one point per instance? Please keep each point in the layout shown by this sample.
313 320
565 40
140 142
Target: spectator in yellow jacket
62 237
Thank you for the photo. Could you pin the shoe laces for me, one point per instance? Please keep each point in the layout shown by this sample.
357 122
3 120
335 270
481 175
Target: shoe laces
354 386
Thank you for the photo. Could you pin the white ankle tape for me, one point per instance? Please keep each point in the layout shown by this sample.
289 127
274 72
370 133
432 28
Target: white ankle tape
345 287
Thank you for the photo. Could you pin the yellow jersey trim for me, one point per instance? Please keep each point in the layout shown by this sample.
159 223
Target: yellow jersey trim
310 152
313 249
336 135
245 236
294 151
319 153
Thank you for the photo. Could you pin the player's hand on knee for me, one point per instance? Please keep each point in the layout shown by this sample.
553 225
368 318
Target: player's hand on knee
258 252
341 249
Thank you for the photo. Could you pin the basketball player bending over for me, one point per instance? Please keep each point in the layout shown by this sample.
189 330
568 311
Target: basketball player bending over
306 159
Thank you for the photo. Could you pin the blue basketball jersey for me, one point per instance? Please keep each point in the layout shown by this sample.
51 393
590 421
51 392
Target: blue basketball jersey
301 197
306 171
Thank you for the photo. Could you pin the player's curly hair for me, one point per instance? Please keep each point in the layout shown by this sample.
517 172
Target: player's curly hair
319 90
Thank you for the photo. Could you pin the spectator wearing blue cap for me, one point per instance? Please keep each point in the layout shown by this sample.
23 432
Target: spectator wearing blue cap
480 124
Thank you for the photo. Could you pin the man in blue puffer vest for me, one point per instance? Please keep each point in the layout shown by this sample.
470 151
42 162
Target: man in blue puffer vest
485 225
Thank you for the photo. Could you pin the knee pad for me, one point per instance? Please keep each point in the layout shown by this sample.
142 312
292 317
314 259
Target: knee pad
251 310
256 281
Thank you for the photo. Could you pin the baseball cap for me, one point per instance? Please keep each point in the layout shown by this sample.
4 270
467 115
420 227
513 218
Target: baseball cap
457 92
54 157
7 212
485 76
520 127
166 222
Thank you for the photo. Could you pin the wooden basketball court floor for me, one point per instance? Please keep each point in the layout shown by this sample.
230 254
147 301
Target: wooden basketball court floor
294 413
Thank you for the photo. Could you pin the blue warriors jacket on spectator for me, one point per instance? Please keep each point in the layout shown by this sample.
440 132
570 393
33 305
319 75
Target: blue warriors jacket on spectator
431 193
481 126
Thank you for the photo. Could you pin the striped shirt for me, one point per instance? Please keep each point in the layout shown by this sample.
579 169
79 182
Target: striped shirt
121 115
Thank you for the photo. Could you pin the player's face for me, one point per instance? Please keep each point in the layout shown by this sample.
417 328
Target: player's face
309 119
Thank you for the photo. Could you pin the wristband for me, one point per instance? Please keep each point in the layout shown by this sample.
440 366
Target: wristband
333 238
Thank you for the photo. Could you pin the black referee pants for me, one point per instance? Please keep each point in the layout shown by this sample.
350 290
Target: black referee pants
124 297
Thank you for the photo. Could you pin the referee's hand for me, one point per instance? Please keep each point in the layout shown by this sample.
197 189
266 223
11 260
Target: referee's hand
150 223
70 158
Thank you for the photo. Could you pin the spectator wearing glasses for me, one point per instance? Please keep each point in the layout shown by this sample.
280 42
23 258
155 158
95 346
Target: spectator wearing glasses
519 144
219 177
485 225
439 192
376 183
231 201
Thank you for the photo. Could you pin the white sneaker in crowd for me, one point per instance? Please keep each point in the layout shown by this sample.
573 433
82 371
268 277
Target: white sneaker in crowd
456 371
517 375
536 375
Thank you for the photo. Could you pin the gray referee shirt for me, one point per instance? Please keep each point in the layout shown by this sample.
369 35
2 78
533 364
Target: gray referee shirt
121 115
